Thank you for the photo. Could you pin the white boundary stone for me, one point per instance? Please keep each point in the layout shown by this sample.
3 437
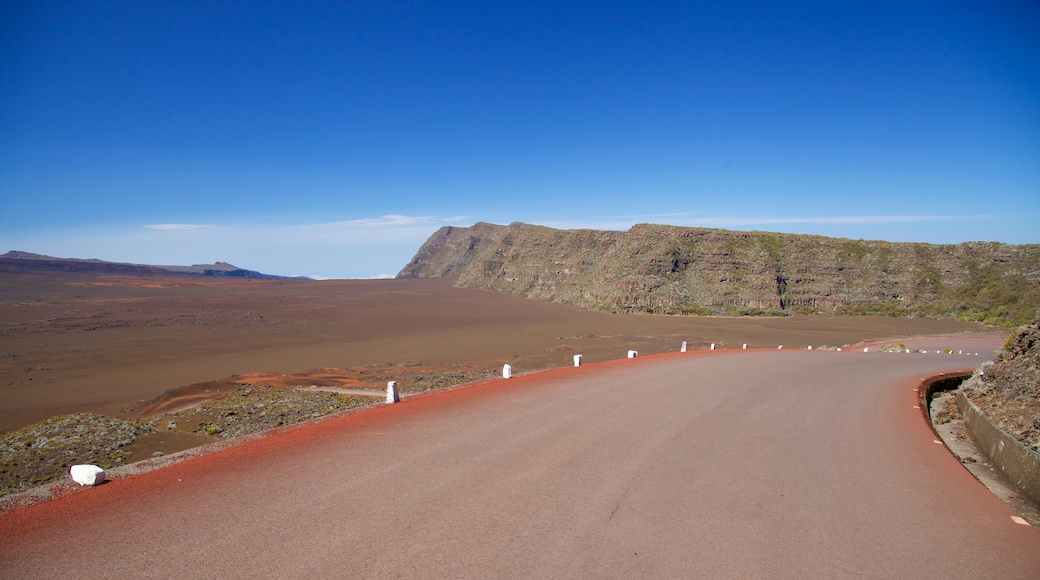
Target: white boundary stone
87 474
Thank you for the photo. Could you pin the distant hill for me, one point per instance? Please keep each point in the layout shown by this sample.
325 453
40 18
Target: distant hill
674 270
25 262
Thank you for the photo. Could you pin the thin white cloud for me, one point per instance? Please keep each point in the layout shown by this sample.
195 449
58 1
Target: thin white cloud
838 220
361 232
174 227
391 220
387 221
372 247
750 221
687 219
356 248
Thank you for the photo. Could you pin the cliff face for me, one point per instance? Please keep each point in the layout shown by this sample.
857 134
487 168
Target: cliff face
666 269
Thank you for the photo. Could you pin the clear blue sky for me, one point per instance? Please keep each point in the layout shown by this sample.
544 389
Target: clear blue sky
330 139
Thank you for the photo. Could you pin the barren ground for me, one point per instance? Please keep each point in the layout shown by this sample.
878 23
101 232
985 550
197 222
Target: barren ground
161 349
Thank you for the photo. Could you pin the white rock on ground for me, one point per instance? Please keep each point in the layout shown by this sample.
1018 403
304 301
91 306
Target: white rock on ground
87 474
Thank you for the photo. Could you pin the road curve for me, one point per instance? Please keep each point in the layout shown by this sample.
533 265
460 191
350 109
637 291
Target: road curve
726 464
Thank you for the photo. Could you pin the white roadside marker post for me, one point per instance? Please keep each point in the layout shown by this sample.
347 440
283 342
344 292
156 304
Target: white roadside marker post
633 354
745 346
507 372
392 395
713 346
577 360
683 347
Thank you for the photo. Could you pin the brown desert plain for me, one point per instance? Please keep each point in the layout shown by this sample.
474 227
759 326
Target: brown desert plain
141 346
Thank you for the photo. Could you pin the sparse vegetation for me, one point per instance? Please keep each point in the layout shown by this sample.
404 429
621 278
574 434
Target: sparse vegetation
44 451
877 308
992 298
852 251
689 309
696 271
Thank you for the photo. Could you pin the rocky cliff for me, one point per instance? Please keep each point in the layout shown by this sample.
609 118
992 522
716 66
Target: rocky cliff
674 270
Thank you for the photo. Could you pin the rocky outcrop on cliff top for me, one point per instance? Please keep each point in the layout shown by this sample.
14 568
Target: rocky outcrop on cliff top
674 270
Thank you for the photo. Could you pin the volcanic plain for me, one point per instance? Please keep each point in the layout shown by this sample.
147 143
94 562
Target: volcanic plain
115 344
137 346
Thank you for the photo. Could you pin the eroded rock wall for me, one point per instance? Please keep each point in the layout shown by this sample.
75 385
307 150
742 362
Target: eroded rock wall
667 269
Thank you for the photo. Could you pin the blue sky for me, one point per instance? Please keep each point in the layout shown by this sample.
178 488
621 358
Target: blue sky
331 139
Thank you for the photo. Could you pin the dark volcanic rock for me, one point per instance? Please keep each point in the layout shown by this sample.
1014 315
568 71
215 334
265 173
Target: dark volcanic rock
674 270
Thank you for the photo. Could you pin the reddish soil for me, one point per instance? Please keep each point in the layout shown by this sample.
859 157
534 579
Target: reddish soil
733 465
116 345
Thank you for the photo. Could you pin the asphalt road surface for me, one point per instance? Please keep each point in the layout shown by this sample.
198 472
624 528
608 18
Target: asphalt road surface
726 464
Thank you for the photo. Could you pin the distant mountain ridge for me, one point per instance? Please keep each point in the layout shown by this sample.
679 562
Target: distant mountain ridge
16 261
675 270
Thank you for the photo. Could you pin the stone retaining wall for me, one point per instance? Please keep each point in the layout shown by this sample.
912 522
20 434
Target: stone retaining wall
1019 464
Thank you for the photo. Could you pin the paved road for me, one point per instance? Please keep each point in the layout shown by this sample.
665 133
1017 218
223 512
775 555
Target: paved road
756 464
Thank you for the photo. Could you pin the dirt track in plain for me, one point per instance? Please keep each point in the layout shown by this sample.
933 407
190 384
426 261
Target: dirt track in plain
726 464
